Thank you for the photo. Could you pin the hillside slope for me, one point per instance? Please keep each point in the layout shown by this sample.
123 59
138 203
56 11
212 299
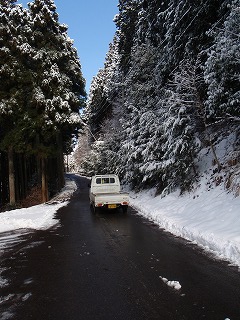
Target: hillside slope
169 89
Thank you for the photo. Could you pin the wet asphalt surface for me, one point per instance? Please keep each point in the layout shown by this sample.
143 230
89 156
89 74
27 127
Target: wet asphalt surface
107 266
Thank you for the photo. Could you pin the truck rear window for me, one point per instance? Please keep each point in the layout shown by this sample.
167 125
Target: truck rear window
105 180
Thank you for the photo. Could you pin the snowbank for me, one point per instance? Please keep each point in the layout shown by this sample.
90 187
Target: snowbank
208 217
37 217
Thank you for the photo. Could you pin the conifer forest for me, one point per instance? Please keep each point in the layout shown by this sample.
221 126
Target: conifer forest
42 90
169 87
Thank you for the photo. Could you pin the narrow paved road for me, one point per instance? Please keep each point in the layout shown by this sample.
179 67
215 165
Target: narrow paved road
109 266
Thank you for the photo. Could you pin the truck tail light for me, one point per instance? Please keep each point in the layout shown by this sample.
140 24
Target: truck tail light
125 203
99 205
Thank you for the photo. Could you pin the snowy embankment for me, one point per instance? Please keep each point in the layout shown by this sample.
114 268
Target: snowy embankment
209 215
37 217
210 219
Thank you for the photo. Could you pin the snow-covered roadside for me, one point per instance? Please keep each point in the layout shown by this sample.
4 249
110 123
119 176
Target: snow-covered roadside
207 217
15 223
37 217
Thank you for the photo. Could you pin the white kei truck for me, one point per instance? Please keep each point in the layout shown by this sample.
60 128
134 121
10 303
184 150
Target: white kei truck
105 192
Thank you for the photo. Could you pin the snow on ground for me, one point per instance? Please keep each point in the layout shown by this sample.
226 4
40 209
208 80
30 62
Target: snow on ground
173 284
210 215
15 223
37 217
210 219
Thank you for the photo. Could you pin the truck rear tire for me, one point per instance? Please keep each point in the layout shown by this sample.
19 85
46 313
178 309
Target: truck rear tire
124 209
96 209
93 209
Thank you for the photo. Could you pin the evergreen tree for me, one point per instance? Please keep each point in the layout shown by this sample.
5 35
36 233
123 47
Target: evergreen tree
58 89
42 89
126 23
14 78
58 84
222 68
103 91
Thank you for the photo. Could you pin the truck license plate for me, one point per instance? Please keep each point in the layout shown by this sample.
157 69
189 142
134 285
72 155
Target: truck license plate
112 206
